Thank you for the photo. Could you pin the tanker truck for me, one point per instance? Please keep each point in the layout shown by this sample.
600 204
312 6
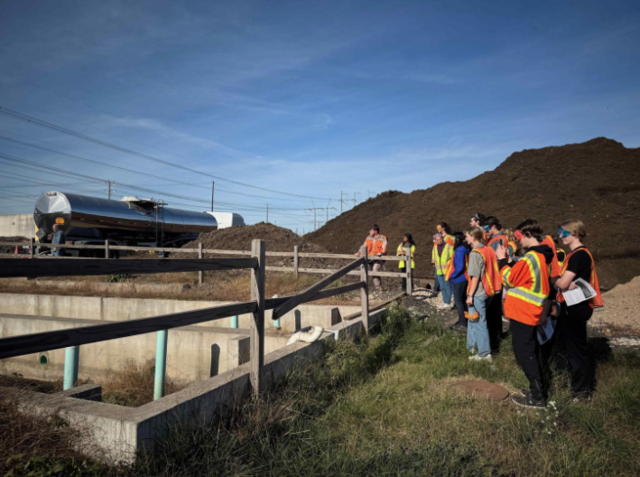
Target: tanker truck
131 221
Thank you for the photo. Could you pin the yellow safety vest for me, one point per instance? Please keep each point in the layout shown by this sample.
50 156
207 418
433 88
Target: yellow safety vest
441 262
401 253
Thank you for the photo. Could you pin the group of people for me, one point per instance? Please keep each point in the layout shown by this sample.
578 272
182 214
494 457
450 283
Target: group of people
491 272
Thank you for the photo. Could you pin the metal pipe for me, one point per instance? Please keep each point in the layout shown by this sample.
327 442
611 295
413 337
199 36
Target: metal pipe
161 364
71 355
234 322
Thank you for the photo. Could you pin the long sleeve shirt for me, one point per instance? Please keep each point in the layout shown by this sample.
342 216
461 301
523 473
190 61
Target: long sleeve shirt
459 264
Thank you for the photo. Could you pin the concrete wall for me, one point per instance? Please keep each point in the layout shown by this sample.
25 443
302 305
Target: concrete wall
119 432
17 225
122 309
193 353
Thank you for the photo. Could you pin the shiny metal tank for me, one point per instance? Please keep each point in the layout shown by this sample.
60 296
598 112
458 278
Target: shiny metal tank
74 210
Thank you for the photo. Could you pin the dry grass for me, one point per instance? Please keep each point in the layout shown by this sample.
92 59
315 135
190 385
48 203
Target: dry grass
218 286
132 385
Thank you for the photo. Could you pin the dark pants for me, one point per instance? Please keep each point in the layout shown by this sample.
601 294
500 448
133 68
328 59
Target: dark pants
404 279
525 347
572 340
460 299
494 321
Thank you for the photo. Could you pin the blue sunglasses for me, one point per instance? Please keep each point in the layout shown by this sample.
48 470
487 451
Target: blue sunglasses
562 233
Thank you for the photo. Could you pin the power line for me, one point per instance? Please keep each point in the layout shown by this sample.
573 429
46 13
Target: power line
125 169
47 125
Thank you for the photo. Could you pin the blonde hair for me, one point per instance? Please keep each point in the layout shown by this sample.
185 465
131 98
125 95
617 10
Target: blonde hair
477 233
509 234
576 227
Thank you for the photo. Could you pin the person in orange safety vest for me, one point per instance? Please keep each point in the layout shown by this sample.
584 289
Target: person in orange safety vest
528 291
444 230
572 324
376 247
484 283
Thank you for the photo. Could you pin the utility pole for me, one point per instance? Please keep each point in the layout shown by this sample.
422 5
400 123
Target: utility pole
354 199
315 209
213 185
267 213
109 189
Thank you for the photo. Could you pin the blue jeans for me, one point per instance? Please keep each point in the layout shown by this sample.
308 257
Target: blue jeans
477 331
445 286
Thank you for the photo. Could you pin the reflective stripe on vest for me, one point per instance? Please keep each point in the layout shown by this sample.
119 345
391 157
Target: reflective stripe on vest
536 295
401 252
491 277
441 261
596 301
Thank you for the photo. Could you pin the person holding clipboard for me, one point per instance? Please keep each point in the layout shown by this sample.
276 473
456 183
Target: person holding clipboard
572 323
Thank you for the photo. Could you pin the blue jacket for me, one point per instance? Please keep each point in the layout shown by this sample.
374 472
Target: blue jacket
459 264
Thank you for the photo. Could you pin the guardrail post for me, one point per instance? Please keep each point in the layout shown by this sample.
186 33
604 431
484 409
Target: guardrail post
234 322
407 264
161 364
106 248
31 248
200 273
296 260
257 324
71 355
364 292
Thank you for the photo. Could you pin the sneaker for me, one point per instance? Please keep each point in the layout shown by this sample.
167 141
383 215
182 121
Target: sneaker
477 357
528 401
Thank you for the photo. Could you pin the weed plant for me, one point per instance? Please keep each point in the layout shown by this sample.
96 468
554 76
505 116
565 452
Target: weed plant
386 405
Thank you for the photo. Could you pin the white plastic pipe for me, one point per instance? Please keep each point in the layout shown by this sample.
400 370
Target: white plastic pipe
307 337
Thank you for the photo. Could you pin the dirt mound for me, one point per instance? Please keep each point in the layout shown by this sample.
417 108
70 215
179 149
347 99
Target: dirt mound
621 306
597 181
12 248
277 239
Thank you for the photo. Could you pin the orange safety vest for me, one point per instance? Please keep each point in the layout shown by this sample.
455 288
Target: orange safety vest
555 266
376 245
499 238
451 268
449 239
528 282
596 301
491 276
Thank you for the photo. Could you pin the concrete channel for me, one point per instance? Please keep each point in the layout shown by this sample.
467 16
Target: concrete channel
116 433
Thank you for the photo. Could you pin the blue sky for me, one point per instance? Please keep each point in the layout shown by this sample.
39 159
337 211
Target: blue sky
307 98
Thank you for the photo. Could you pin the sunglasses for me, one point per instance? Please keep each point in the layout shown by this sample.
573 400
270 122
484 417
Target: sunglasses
562 233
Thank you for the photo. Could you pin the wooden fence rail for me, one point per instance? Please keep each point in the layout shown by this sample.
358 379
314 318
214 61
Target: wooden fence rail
295 255
52 340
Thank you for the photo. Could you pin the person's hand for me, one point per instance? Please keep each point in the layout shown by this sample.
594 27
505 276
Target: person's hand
572 286
378 254
469 300
501 252
357 254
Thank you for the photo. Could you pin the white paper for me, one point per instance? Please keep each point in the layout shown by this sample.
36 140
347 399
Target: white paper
583 292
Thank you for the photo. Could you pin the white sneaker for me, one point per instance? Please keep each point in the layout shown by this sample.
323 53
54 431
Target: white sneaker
444 306
477 357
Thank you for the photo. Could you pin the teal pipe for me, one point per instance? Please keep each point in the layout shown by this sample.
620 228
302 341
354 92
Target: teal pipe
71 355
234 322
161 364
276 323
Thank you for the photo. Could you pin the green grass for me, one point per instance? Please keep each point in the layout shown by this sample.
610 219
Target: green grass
385 406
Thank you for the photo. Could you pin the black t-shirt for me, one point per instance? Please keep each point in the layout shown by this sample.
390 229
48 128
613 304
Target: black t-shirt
580 263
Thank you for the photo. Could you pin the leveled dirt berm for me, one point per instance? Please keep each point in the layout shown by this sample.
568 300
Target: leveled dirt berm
597 182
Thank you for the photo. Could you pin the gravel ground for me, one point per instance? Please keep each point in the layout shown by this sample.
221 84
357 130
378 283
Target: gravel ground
621 311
